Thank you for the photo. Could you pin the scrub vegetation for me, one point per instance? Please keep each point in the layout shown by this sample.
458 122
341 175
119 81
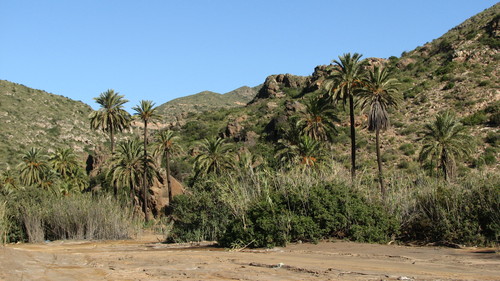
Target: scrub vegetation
403 149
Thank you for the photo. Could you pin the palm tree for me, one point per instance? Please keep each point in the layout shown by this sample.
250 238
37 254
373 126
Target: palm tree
341 85
127 166
64 162
166 144
111 117
379 92
34 168
146 112
444 141
316 121
307 152
8 182
215 157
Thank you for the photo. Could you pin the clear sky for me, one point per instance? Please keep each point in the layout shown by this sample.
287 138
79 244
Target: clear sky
164 49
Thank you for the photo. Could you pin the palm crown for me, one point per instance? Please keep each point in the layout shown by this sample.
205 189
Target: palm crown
111 117
444 141
379 92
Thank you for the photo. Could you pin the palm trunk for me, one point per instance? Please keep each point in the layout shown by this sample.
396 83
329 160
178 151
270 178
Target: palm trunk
353 138
144 175
443 165
169 183
112 140
379 162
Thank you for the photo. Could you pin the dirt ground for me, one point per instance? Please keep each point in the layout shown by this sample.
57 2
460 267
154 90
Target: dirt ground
148 259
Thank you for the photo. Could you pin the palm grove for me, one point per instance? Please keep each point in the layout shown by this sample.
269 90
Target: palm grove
282 190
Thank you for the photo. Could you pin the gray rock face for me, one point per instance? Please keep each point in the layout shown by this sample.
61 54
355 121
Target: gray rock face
275 84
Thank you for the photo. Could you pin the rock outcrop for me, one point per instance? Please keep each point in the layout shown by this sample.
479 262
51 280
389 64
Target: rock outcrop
275 85
158 193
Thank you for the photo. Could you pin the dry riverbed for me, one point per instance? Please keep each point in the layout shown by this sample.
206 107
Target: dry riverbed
147 259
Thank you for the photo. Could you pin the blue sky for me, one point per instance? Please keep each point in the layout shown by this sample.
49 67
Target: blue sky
161 50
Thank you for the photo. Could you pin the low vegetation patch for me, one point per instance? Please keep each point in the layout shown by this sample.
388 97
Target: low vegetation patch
36 215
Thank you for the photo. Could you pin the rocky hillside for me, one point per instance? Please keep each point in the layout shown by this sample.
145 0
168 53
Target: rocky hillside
35 118
177 109
458 71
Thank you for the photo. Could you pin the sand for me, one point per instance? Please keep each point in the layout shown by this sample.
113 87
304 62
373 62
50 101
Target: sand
148 259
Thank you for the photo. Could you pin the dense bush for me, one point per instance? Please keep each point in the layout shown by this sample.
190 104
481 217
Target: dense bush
328 211
408 149
198 216
493 138
477 118
464 214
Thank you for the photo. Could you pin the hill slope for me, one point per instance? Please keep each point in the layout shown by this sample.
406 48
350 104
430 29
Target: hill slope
458 72
206 101
35 118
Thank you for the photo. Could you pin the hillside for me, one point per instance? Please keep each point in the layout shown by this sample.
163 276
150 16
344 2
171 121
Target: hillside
458 71
35 118
206 101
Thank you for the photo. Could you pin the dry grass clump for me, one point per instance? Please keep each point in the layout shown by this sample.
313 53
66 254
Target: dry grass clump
46 216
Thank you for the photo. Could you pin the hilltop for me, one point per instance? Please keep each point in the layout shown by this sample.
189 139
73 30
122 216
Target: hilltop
205 101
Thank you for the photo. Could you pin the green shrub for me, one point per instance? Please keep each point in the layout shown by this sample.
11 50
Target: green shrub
403 164
449 85
198 216
292 92
328 211
493 138
494 119
487 158
445 69
484 83
408 149
411 129
477 118
467 214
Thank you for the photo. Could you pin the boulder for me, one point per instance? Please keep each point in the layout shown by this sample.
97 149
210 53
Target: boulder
158 193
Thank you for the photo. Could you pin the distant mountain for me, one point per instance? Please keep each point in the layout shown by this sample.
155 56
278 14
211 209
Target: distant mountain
205 101
35 118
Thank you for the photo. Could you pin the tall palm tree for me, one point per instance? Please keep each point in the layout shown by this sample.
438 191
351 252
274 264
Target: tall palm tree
215 157
445 140
166 144
379 92
111 117
146 112
341 85
127 166
33 168
316 120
